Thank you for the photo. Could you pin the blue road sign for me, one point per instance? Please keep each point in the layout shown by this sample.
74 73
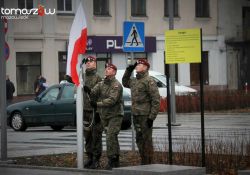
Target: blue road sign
133 36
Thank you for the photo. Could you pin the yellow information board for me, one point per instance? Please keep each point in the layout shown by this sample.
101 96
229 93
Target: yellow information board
183 46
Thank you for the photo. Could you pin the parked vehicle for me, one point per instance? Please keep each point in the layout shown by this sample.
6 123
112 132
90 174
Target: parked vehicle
162 85
55 107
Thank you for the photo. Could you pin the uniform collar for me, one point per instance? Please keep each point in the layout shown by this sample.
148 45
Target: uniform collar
91 71
109 79
140 75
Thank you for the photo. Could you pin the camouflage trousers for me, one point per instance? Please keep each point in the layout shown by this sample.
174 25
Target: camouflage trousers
93 136
144 139
112 127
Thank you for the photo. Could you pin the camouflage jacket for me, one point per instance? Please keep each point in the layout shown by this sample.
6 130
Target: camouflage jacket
91 79
109 98
144 92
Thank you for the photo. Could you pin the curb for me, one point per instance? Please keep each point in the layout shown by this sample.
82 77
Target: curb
55 168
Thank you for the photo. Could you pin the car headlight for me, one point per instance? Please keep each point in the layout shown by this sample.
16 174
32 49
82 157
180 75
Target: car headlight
127 103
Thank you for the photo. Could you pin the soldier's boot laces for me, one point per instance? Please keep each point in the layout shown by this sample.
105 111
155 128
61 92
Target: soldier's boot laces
88 162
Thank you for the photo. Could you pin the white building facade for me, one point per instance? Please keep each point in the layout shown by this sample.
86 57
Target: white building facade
38 45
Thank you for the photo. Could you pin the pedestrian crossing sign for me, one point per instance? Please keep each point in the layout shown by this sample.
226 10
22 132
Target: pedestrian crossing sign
133 36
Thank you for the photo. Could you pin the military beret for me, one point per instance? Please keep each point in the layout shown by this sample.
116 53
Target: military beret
144 62
111 66
90 58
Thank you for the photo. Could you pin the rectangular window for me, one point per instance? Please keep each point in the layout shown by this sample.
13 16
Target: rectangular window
167 71
138 8
195 71
101 7
25 4
62 60
64 5
102 60
202 8
166 12
28 67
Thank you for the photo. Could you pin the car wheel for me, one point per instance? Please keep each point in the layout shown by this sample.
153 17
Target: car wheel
57 128
17 122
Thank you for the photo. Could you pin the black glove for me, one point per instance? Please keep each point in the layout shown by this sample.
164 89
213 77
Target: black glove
97 118
150 123
87 89
93 104
130 68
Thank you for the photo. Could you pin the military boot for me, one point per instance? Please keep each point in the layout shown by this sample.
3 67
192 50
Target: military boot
89 161
95 163
116 161
113 162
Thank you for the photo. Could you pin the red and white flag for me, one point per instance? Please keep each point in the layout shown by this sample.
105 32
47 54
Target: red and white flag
77 43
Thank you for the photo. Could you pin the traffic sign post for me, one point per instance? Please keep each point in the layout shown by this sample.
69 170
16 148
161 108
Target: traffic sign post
133 36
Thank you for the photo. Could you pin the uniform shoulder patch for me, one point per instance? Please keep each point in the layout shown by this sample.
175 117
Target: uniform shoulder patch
116 85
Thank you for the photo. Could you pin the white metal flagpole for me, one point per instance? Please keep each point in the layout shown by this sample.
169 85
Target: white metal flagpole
79 121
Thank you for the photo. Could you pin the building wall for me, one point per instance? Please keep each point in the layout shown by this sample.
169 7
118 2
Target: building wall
230 26
49 34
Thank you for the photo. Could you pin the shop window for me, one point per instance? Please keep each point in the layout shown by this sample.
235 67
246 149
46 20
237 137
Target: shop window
64 6
166 11
28 67
167 71
202 8
101 7
62 60
25 4
138 8
195 71
140 55
102 60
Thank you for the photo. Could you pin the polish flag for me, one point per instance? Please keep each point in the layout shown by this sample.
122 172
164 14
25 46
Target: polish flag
77 44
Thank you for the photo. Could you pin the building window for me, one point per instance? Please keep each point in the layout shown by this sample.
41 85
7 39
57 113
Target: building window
62 60
195 71
102 60
25 4
101 7
64 5
28 67
166 12
138 8
167 71
202 8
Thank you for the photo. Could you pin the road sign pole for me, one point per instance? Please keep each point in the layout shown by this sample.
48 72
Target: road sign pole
171 118
132 117
3 92
203 154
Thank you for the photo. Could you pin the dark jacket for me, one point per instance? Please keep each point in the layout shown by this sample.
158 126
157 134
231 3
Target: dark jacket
10 89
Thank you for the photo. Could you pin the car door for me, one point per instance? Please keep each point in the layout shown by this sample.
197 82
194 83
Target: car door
44 112
65 106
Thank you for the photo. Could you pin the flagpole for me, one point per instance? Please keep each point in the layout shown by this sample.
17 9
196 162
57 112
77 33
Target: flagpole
76 47
79 111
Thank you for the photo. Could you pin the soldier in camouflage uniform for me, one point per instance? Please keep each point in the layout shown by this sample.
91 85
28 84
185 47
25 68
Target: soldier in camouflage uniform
92 125
110 107
145 106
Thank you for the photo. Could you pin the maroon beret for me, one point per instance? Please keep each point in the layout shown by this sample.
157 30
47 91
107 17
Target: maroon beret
90 58
143 61
111 66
